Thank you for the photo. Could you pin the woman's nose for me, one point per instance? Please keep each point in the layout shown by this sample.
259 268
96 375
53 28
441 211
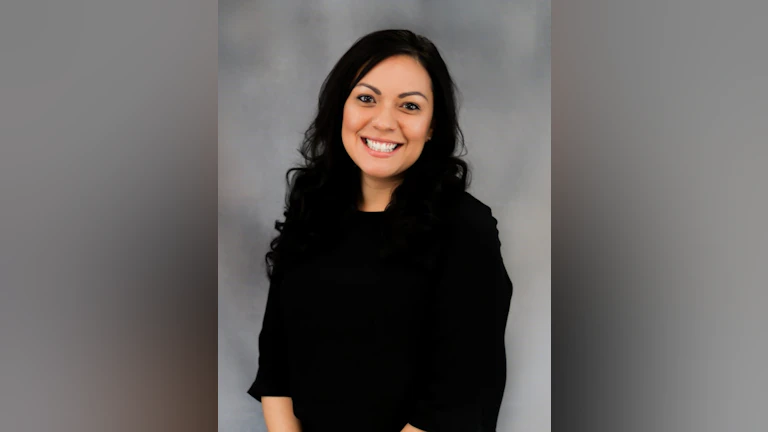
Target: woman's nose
384 120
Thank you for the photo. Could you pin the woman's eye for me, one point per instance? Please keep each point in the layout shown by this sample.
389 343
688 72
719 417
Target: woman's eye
411 106
365 99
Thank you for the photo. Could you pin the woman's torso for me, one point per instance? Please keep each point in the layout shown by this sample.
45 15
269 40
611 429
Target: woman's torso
355 329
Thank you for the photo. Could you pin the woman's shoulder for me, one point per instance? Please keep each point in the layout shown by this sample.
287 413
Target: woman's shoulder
468 214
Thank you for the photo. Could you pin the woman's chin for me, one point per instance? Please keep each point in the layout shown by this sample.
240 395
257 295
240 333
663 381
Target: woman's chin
380 175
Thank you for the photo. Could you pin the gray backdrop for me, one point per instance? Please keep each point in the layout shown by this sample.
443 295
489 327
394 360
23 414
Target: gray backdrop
273 57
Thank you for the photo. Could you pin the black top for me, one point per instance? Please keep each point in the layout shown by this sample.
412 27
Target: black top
362 346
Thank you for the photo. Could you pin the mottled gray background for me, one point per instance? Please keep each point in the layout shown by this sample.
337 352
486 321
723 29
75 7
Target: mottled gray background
273 57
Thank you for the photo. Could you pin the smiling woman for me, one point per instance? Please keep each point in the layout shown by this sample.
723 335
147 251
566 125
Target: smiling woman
384 127
388 296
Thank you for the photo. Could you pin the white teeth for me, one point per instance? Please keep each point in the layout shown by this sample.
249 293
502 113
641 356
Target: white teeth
380 146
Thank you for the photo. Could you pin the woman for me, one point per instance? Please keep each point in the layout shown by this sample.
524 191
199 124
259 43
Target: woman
388 296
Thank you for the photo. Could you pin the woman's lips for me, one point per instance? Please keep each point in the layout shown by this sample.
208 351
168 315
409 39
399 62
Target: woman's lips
379 154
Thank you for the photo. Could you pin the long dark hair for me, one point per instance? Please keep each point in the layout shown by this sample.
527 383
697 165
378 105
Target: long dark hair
324 190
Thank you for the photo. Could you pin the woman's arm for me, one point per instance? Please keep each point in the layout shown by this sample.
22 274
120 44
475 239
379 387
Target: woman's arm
271 386
463 375
278 414
409 428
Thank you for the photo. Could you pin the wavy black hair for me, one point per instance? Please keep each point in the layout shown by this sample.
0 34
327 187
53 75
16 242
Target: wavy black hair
324 190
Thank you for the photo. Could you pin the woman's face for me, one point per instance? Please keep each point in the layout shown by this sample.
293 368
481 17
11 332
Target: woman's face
387 118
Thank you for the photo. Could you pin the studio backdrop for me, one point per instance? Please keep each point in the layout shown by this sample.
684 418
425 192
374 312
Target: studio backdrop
273 57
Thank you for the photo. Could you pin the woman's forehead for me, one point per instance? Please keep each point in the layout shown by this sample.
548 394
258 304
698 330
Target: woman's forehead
398 73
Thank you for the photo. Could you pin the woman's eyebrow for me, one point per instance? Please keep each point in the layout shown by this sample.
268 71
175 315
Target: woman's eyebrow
375 90
412 93
401 95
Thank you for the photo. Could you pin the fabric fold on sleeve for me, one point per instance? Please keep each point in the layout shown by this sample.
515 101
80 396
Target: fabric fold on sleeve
463 376
272 378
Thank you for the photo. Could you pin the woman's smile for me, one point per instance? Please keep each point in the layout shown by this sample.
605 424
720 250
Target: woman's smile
380 148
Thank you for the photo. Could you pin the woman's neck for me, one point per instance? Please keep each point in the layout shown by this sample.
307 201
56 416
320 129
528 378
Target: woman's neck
376 193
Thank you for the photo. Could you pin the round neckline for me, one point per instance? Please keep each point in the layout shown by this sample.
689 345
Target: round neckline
362 213
369 216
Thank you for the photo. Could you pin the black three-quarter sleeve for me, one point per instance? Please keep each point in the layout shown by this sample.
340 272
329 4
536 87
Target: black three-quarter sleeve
272 376
463 379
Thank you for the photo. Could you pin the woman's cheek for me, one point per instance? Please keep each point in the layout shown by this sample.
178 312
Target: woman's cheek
416 130
353 118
